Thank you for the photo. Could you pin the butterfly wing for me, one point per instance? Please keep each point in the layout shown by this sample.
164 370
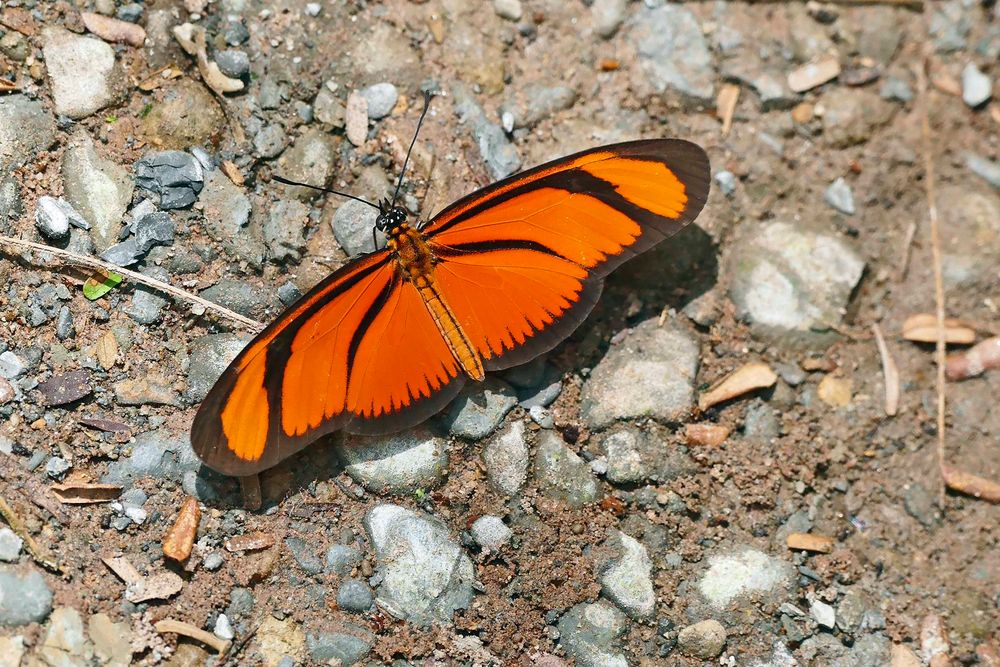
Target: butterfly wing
358 352
522 261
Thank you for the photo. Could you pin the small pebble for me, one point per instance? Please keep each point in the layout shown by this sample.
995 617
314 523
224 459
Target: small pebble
57 467
313 8
823 614
10 545
985 169
223 628
354 596
54 216
703 640
541 416
490 532
381 99
977 88
213 561
233 63
840 196
11 365
508 9
131 13
727 182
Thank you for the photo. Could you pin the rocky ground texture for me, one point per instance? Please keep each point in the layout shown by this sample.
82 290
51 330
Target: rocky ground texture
572 511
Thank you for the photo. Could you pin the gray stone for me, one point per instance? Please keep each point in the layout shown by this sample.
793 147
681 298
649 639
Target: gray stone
490 532
25 128
82 71
536 103
309 160
25 597
622 449
54 216
381 99
302 552
608 16
590 633
949 26
57 467
561 474
977 88
328 108
480 408
986 169
64 324
497 151
244 298
426 576
233 63
840 196
823 614
210 355
227 212
703 640
344 648
125 253
155 229
284 230
921 504
896 90
11 365
11 204
234 31
825 649
852 114
241 602
214 561
506 460
131 12
396 463
10 545
744 574
270 141
726 181
970 231
650 374
770 84
187 115
270 94
626 577
341 558
65 643
760 423
96 187
353 223
354 596
15 46
850 613
177 177
148 304
793 283
673 52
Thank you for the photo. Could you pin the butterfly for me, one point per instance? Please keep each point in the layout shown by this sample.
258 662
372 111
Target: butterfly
492 281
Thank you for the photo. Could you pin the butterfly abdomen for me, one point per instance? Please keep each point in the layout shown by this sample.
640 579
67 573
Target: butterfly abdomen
416 264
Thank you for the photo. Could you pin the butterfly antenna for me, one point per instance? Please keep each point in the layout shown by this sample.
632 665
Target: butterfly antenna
286 181
427 103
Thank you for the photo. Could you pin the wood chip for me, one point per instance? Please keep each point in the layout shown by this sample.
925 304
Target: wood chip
106 350
7 86
803 113
609 64
156 587
356 118
725 105
179 540
250 542
934 641
113 30
64 388
123 569
19 19
705 435
890 374
169 625
971 485
232 172
106 425
809 542
814 74
159 77
747 378
85 493
975 361
922 328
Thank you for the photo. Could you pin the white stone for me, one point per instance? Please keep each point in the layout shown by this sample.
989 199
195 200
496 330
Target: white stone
82 71
626 580
977 88
490 532
10 545
742 573
508 9
823 614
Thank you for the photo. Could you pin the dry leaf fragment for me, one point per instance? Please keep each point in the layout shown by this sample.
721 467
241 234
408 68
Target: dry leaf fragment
835 391
107 350
934 641
706 435
890 374
233 172
814 74
156 79
188 630
903 656
747 378
971 485
922 328
725 105
192 39
809 542
179 540
106 425
250 542
85 493
978 359
123 569
113 30
157 587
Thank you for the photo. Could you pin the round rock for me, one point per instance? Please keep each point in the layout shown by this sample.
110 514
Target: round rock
26 597
381 99
490 532
397 463
703 640
354 596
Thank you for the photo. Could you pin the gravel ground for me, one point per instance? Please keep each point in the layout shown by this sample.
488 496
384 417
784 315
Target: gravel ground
581 509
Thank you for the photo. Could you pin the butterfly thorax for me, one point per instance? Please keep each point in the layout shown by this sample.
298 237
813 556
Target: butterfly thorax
411 253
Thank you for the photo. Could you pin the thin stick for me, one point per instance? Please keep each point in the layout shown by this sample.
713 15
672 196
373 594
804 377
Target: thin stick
904 260
39 553
890 374
932 212
137 277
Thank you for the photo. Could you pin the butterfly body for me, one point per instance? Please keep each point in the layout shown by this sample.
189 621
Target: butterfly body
492 281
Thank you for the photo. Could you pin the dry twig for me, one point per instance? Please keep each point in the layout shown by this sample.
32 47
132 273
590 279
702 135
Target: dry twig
889 372
135 276
196 633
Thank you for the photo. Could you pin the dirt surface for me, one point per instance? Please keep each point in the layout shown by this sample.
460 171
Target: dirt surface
837 468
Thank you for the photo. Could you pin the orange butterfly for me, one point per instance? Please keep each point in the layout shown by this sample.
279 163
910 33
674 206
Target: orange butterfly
492 281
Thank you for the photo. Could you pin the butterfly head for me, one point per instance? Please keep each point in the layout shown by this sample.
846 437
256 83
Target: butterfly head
389 216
